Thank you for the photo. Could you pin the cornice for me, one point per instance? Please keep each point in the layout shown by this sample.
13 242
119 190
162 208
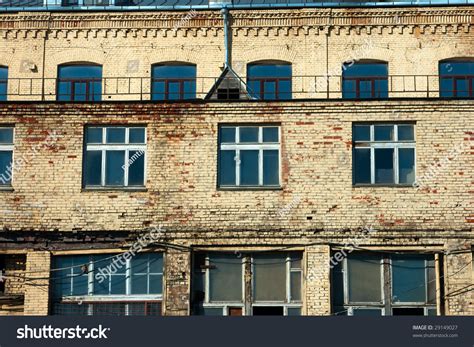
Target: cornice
369 21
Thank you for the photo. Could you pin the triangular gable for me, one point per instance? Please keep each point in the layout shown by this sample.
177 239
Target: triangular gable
229 86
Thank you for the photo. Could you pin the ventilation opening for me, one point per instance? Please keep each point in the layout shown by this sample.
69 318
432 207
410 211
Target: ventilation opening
268 311
228 94
413 311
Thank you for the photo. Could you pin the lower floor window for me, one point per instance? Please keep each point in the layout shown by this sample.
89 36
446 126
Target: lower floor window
376 285
107 284
238 284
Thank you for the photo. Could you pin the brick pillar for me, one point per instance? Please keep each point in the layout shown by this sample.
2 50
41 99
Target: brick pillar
458 279
37 283
177 283
317 281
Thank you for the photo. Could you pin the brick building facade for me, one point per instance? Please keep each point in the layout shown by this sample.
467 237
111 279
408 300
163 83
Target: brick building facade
306 237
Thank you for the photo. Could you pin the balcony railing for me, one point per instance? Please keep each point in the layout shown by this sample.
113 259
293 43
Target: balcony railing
41 5
302 87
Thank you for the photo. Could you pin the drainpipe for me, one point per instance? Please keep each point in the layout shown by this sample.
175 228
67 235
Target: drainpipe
225 15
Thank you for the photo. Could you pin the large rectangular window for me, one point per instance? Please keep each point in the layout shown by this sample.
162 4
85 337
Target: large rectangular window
247 284
6 156
456 79
389 284
249 156
115 156
384 154
107 284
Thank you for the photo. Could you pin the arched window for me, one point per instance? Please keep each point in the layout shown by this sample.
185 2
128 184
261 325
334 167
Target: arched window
3 83
456 78
269 80
79 82
173 81
365 80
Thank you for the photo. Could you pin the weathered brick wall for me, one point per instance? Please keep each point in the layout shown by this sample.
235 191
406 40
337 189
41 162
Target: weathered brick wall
37 287
181 174
317 281
316 42
177 283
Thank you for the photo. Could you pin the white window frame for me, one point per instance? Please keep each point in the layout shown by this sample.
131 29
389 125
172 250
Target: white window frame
126 147
225 305
8 147
394 144
238 146
384 261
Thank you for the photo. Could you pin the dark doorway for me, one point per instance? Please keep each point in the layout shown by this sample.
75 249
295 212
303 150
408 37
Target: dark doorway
268 311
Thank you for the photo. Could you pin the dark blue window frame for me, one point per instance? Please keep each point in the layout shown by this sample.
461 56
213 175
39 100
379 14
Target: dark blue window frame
270 81
79 82
365 80
3 83
173 81
456 79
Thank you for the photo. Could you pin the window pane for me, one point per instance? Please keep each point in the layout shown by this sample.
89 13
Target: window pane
212 311
295 279
93 168
248 134
225 278
406 133
406 160
431 281
139 284
349 89
94 135
227 168
271 167
136 169
337 285
156 284
364 278
115 135
114 173
137 135
5 167
384 165
361 133
295 260
383 132
139 264
294 311
249 167
269 88
3 83
269 277
155 262
227 135
6 135
284 89
270 134
362 165
117 285
408 278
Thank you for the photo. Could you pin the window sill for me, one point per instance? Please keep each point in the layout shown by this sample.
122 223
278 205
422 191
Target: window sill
251 188
114 189
382 186
6 189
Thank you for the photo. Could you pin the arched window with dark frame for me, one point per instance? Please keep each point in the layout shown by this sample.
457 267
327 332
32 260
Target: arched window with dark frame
3 83
269 80
456 78
173 81
365 80
79 82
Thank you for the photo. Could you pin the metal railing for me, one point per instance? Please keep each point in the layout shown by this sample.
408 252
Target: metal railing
302 87
41 5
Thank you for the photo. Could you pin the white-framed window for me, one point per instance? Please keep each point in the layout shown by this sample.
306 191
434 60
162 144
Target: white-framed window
115 156
107 284
384 153
249 156
389 284
6 155
221 287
